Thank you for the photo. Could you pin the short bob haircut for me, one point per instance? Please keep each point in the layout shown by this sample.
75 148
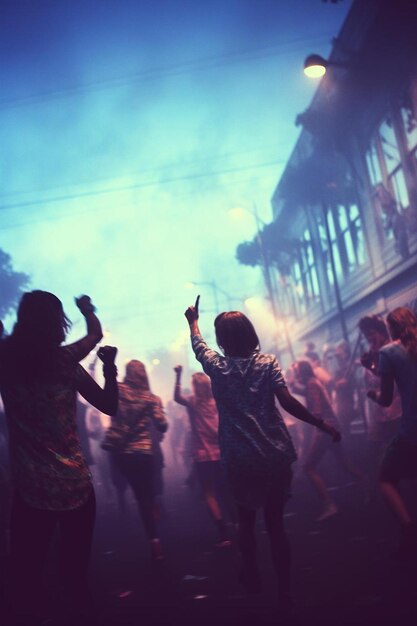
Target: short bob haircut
235 334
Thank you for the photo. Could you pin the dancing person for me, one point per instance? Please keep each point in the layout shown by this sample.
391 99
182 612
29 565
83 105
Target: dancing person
344 388
129 440
319 405
39 379
382 422
205 451
398 363
254 442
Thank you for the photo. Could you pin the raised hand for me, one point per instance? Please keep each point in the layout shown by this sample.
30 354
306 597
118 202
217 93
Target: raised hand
107 354
178 370
85 305
192 313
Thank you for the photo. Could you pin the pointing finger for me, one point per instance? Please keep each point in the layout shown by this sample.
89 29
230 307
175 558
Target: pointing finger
197 303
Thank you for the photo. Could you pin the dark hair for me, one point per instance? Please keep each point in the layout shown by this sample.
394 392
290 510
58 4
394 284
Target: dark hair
30 353
304 370
41 319
373 323
235 334
402 323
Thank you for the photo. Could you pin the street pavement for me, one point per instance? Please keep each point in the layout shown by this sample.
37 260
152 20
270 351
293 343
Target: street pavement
343 573
342 570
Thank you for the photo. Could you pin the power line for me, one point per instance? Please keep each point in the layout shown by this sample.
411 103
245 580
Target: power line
138 185
162 71
158 170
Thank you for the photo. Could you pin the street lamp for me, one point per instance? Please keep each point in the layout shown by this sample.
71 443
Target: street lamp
315 66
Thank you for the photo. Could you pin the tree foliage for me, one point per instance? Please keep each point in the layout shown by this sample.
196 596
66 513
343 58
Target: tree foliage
12 284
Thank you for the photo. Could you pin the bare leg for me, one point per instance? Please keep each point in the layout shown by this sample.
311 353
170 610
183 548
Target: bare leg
319 485
212 503
395 501
318 449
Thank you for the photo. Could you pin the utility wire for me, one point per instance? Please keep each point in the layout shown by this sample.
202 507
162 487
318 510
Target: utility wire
151 170
163 71
138 185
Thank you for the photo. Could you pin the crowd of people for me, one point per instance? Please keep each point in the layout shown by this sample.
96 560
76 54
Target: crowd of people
248 423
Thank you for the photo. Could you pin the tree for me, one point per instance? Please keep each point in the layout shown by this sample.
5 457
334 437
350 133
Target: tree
12 284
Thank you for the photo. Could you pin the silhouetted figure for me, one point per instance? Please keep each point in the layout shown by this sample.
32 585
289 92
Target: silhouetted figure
205 451
344 388
52 485
254 442
398 363
129 440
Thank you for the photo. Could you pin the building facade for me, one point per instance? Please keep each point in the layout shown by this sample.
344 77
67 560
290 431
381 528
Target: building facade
347 199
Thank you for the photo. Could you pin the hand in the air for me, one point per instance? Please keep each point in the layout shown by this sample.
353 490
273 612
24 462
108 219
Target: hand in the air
107 354
85 305
192 312
178 369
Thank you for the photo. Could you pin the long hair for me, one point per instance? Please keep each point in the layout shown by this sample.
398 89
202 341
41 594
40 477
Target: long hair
402 323
305 370
41 320
201 386
31 352
235 334
136 375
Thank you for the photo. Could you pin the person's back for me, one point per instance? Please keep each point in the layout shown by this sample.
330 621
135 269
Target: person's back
256 447
250 425
318 401
394 357
137 408
45 451
204 420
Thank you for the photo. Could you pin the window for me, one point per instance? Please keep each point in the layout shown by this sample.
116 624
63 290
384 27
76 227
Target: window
346 238
390 153
304 276
386 171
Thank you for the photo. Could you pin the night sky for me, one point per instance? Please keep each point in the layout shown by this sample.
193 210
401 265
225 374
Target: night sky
128 130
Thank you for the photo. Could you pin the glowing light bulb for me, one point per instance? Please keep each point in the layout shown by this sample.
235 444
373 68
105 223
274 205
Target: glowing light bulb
315 71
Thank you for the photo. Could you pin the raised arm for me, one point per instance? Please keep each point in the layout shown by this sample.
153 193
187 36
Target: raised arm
192 316
295 408
178 397
106 399
94 335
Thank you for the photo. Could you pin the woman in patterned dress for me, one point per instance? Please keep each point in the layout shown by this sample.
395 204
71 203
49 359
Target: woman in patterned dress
39 381
255 444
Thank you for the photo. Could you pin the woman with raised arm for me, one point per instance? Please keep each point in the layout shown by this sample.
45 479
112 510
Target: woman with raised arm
398 363
39 381
204 420
254 442
129 440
